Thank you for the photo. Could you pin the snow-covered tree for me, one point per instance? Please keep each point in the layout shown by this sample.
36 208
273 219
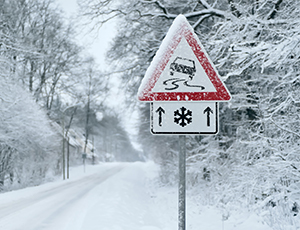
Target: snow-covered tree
38 56
40 46
28 144
254 45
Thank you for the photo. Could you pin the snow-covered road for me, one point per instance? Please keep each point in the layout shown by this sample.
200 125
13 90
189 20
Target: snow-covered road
110 196
55 205
106 197
102 199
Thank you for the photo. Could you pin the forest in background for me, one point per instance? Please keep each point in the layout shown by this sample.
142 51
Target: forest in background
52 98
253 163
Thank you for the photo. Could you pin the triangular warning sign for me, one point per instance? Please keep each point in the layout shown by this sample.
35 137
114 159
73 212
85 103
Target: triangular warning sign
181 70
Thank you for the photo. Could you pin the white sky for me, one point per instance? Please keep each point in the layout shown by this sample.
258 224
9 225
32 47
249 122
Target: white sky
97 44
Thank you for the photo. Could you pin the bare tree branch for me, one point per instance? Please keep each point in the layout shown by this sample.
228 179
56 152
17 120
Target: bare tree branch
275 10
205 4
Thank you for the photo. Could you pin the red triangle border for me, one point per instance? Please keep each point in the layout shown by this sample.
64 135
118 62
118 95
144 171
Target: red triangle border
185 30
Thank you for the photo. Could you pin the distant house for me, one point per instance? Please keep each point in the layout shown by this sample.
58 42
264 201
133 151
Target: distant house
76 146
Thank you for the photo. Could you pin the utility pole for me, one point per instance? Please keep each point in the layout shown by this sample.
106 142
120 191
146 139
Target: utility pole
65 134
63 150
68 158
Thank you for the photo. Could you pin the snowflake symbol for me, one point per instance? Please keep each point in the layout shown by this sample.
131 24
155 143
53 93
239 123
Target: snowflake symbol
183 117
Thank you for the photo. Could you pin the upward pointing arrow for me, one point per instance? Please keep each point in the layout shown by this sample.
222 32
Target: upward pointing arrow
208 110
160 111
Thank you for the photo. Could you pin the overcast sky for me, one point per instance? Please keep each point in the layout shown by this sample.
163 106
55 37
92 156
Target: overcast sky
96 42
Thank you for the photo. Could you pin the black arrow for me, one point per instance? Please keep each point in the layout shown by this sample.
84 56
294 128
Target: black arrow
160 111
208 110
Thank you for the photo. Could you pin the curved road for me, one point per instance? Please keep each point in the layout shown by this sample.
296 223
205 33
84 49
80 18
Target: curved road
59 207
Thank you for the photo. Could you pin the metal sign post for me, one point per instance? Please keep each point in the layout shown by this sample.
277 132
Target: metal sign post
182 183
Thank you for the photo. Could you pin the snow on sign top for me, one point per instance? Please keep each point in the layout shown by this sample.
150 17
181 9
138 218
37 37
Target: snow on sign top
181 70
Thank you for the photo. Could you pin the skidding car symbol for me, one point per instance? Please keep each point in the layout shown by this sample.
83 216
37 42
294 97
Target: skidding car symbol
183 65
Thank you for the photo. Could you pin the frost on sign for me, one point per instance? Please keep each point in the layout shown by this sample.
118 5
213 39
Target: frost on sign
183 73
183 85
181 70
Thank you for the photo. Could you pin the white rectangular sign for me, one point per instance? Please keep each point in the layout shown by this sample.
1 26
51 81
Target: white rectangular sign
184 117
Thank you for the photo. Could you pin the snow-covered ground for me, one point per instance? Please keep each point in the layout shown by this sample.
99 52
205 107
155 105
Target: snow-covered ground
110 196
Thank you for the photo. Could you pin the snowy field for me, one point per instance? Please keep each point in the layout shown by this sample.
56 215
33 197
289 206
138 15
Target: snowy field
110 196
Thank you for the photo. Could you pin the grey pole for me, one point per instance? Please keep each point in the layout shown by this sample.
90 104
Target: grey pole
68 158
182 183
63 151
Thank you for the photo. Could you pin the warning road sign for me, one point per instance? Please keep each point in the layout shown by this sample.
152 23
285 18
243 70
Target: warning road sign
182 70
183 73
184 89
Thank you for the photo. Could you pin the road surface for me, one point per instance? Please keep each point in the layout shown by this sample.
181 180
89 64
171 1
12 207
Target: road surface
104 200
112 196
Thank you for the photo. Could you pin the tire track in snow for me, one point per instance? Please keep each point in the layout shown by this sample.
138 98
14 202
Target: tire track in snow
65 190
